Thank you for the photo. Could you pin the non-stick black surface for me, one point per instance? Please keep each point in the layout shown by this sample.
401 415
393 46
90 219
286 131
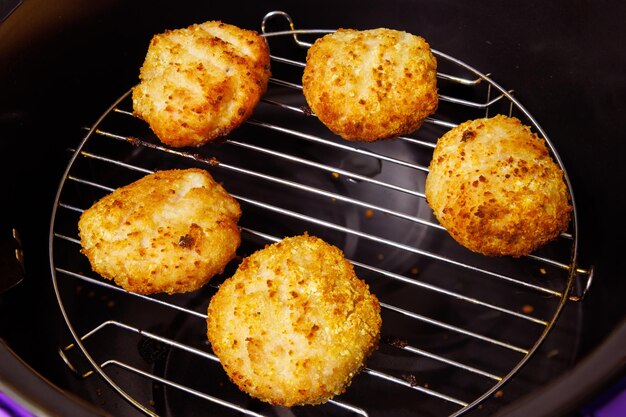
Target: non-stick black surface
547 54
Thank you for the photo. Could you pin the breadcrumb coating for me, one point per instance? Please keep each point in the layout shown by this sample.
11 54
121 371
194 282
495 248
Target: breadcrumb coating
201 82
371 84
294 324
494 186
170 231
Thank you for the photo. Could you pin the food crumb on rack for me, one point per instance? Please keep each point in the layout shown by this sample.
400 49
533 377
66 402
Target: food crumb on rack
414 271
306 110
134 141
211 160
369 213
527 309
335 175
396 342
410 378
499 394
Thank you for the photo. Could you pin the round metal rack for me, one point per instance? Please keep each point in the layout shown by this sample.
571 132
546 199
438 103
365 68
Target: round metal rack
457 326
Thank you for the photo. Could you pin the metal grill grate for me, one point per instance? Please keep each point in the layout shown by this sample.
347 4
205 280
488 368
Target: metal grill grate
456 325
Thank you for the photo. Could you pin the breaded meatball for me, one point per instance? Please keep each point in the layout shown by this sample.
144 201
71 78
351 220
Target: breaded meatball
294 324
169 232
371 84
494 186
201 82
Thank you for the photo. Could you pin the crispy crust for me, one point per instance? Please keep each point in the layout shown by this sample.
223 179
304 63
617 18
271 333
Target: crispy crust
294 324
493 185
170 232
371 84
201 82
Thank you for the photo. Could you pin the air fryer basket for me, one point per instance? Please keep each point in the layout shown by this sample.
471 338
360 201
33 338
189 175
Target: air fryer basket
457 326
